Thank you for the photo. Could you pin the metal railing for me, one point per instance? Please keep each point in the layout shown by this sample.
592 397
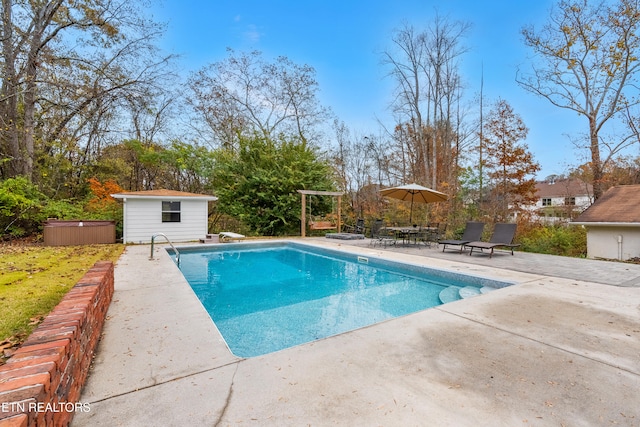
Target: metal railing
153 238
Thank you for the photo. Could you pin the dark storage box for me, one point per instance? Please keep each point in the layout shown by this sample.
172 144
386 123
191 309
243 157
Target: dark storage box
67 233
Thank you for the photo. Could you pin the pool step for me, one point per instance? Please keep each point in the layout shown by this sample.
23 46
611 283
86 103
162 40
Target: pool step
454 293
211 238
469 291
451 293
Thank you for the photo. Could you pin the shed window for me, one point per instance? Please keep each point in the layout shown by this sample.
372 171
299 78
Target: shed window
570 201
546 202
170 211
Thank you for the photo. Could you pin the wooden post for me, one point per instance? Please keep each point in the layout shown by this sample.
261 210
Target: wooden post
339 216
303 224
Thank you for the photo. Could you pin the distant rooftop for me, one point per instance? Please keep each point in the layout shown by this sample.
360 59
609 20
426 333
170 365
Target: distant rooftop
563 188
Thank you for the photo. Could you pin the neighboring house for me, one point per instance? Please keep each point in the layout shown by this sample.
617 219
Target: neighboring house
181 216
560 200
613 224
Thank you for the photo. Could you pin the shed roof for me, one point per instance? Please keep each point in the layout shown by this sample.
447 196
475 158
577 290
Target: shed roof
619 204
162 194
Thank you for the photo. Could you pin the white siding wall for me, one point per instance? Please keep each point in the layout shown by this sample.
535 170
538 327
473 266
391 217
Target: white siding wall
602 242
582 202
143 219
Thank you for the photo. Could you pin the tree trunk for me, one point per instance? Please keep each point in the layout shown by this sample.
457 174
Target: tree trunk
29 113
596 162
20 130
9 98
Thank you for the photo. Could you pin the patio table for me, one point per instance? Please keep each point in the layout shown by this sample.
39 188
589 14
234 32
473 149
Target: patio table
408 234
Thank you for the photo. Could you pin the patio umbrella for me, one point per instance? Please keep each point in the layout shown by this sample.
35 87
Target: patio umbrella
415 193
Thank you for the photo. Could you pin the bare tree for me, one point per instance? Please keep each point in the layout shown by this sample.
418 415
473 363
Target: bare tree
444 47
363 164
245 94
407 60
589 64
424 66
65 66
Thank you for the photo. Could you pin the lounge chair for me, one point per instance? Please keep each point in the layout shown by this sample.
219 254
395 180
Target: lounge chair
228 236
472 233
502 236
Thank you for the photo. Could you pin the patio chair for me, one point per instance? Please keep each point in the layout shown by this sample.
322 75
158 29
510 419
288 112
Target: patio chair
502 236
359 228
472 233
428 234
380 235
432 233
442 231
435 231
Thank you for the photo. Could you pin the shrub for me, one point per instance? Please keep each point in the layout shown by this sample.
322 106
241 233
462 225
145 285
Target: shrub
566 240
20 207
24 209
61 209
257 183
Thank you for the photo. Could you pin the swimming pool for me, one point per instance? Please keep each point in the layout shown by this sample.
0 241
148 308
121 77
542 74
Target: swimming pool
264 297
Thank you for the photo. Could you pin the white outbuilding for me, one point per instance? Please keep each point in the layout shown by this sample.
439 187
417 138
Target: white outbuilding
613 224
181 216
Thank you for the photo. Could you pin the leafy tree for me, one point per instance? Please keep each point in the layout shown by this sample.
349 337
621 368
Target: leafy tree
187 167
510 165
138 166
624 170
258 182
101 200
589 51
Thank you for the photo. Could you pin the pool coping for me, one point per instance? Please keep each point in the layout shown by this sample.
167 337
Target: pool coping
546 348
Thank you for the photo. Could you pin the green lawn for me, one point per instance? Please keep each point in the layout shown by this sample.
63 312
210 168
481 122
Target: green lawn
33 280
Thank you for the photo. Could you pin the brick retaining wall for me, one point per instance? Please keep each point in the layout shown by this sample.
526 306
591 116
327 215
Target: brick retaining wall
40 384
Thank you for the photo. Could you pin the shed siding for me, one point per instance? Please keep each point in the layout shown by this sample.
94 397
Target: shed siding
602 242
143 219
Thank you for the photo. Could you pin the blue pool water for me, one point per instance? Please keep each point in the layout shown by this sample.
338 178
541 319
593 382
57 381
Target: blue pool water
265 298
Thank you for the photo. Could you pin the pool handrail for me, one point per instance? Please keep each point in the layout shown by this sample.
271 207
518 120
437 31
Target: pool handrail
168 241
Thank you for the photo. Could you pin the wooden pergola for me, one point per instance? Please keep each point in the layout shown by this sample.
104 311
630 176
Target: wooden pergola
303 224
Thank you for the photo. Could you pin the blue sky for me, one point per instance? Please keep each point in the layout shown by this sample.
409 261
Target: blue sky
342 40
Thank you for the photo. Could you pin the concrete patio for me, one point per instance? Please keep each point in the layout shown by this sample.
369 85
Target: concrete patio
559 347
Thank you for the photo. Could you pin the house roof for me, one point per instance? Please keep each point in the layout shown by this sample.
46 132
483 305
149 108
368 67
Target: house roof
617 205
162 194
563 188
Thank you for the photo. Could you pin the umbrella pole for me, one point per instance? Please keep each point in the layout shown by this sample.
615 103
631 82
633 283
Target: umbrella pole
411 211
